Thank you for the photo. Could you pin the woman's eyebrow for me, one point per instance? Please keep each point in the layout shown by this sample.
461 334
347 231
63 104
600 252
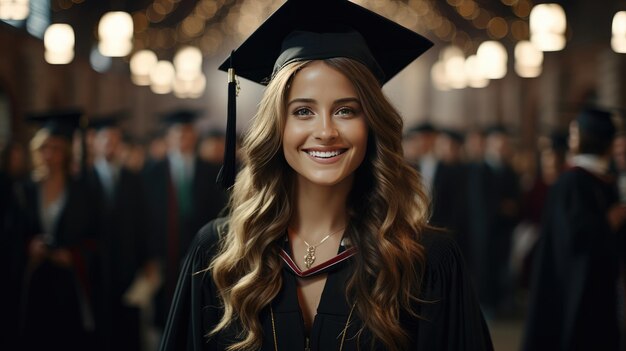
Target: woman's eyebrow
313 101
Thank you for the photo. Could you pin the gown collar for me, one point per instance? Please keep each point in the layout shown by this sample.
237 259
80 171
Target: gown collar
345 252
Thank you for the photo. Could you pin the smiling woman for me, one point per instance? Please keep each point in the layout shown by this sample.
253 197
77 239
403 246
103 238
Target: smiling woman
326 245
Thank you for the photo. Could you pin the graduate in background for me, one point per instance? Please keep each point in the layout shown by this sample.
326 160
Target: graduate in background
573 301
57 309
14 175
182 195
494 197
326 246
124 245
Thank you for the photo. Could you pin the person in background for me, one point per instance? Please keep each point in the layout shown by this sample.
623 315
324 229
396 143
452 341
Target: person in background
14 171
326 246
60 277
126 260
435 175
182 195
212 147
494 197
573 293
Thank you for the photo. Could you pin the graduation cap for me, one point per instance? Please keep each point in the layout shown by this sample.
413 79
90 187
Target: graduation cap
61 123
180 116
597 122
108 120
424 127
496 129
454 135
313 30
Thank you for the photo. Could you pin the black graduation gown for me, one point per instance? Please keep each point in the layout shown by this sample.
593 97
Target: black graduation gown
13 224
123 250
452 322
57 311
573 302
171 235
491 230
449 201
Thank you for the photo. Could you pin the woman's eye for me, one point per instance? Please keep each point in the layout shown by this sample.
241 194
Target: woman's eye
302 112
345 111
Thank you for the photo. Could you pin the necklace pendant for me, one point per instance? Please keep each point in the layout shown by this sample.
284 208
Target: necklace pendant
309 258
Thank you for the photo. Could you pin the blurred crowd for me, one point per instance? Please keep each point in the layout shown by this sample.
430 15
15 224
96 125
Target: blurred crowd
94 224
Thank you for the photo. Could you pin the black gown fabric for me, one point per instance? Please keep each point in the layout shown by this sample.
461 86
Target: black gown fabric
171 233
57 309
13 229
573 302
123 250
452 321
493 195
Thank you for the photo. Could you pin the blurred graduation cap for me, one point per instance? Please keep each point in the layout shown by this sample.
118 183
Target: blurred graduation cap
597 122
313 30
453 134
424 127
109 120
61 123
496 129
180 116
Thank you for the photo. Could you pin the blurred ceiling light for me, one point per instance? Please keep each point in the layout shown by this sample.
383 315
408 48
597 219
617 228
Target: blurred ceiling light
528 59
16 10
438 76
59 43
162 77
116 34
547 27
188 63
190 89
141 63
474 74
454 67
618 39
492 58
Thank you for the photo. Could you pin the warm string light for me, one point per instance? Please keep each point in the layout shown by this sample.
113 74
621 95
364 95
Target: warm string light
59 44
15 10
618 32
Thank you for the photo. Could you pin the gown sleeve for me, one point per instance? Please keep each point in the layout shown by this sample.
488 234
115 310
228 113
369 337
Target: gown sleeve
194 310
451 318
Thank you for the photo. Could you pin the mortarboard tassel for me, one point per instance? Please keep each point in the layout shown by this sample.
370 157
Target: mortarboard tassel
227 174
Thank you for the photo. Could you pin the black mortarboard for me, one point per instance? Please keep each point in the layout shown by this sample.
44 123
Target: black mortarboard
597 122
313 30
454 134
61 123
496 129
108 120
424 127
181 116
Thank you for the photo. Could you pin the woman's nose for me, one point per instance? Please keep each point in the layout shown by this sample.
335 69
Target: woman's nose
326 129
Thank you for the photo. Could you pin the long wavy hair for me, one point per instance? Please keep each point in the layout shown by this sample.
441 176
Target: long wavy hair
387 209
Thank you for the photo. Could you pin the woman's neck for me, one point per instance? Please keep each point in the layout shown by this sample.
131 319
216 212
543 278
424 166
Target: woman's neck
319 209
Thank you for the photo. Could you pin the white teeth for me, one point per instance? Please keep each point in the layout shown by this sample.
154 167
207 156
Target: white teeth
324 154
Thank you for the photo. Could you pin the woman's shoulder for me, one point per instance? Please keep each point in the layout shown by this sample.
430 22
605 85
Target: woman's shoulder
209 236
443 258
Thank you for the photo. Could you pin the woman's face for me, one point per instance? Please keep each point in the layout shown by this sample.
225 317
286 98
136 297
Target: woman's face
52 152
325 136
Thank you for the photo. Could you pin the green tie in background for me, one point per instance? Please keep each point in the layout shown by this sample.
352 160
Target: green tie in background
184 193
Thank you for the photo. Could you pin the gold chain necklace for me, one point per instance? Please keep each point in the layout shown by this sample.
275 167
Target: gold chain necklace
343 333
309 258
